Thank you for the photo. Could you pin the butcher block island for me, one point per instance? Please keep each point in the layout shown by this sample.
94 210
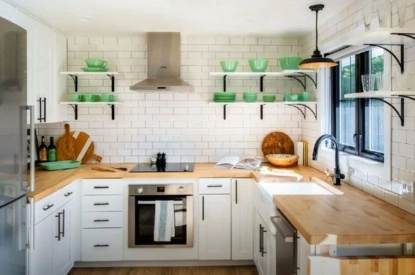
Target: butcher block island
327 225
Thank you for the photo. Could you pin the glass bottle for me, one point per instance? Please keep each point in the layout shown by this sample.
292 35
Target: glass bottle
51 150
43 150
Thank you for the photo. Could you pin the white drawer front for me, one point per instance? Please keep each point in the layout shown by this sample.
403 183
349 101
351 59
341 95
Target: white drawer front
215 186
46 206
102 244
102 203
102 219
102 186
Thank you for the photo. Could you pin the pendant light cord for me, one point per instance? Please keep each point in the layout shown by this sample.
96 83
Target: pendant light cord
317 30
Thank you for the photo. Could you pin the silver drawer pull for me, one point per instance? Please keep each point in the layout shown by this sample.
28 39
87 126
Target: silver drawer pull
68 194
101 203
215 185
101 245
102 220
48 206
101 187
154 202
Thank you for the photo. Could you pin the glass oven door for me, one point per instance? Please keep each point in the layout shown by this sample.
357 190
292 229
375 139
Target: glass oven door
142 220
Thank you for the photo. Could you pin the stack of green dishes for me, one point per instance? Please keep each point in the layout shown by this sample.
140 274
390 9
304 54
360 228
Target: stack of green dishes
224 97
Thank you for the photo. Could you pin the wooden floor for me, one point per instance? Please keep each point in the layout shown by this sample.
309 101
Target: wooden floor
190 270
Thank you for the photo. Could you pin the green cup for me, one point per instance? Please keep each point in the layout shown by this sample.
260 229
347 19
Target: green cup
108 97
77 98
91 97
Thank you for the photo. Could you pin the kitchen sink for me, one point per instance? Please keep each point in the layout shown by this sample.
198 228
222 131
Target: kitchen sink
294 188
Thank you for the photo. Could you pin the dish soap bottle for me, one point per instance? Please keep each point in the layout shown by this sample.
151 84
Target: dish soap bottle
51 150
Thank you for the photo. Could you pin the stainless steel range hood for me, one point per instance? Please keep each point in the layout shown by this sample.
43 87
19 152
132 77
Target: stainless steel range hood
163 63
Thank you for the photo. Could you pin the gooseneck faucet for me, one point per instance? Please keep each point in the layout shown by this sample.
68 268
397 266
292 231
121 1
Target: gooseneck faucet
337 175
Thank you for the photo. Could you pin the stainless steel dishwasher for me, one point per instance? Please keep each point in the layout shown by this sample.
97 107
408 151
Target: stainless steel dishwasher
286 246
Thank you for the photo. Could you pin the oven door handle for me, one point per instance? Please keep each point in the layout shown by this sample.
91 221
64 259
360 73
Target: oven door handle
175 202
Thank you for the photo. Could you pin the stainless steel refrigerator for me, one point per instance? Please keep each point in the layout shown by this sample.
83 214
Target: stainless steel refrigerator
14 148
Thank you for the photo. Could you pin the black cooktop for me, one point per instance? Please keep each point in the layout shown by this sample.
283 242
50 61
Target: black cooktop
170 167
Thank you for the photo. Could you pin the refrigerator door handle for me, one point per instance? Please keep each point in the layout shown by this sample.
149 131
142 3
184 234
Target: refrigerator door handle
32 147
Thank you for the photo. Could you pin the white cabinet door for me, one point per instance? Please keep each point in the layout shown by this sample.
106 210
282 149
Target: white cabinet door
260 253
41 255
62 260
242 219
304 250
271 255
214 227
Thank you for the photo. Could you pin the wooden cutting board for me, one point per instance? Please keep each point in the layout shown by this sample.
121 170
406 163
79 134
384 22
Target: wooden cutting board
277 143
84 147
65 146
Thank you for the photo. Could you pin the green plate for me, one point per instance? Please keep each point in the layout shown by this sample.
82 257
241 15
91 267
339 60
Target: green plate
60 165
92 69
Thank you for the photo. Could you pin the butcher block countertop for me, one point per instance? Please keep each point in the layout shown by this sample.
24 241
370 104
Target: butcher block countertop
352 218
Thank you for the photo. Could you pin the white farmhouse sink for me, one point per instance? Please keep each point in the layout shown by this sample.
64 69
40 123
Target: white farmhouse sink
294 188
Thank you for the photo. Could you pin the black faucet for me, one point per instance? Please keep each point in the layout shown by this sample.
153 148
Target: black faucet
337 175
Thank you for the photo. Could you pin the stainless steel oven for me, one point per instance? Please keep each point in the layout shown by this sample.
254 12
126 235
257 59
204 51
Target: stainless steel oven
144 218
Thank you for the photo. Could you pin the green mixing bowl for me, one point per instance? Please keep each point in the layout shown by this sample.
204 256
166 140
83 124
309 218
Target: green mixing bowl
229 65
96 63
268 98
290 63
258 65
249 96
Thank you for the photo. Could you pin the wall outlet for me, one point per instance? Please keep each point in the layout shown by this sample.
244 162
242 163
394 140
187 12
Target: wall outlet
408 190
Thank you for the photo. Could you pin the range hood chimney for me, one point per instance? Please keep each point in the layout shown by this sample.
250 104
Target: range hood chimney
163 63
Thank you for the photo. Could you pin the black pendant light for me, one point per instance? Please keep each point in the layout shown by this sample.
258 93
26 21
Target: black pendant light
317 61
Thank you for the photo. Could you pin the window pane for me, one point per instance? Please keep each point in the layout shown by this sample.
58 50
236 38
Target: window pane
347 107
373 113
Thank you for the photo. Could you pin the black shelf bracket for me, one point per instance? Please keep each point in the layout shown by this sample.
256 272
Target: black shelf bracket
304 76
261 111
401 114
261 83
305 109
75 81
337 50
401 62
224 111
309 77
112 82
112 106
407 34
224 82
75 109
299 80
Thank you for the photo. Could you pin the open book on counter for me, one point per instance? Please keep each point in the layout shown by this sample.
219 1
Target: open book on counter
229 162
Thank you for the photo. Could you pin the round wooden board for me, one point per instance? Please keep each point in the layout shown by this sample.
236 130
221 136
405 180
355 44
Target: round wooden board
84 147
277 143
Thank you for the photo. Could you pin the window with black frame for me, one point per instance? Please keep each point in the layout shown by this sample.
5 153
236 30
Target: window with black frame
358 123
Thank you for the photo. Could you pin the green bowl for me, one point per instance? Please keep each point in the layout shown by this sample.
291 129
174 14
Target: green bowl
258 65
108 97
290 97
290 63
96 63
229 65
77 98
304 96
268 98
250 97
92 97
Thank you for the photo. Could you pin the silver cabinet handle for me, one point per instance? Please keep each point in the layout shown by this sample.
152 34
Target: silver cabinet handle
59 226
67 194
32 147
236 191
103 220
101 187
101 203
214 185
47 207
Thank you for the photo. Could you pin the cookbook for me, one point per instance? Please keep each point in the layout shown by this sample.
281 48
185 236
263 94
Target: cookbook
239 162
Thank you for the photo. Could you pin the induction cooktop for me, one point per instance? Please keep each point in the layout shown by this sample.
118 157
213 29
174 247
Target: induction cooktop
170 167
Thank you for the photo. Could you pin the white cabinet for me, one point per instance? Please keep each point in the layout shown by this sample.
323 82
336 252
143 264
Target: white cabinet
242 218
264 247
102 220
214 219
47 51
53 243
304 250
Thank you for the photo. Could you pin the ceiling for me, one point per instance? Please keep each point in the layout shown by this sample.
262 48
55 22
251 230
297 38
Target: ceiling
125 17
